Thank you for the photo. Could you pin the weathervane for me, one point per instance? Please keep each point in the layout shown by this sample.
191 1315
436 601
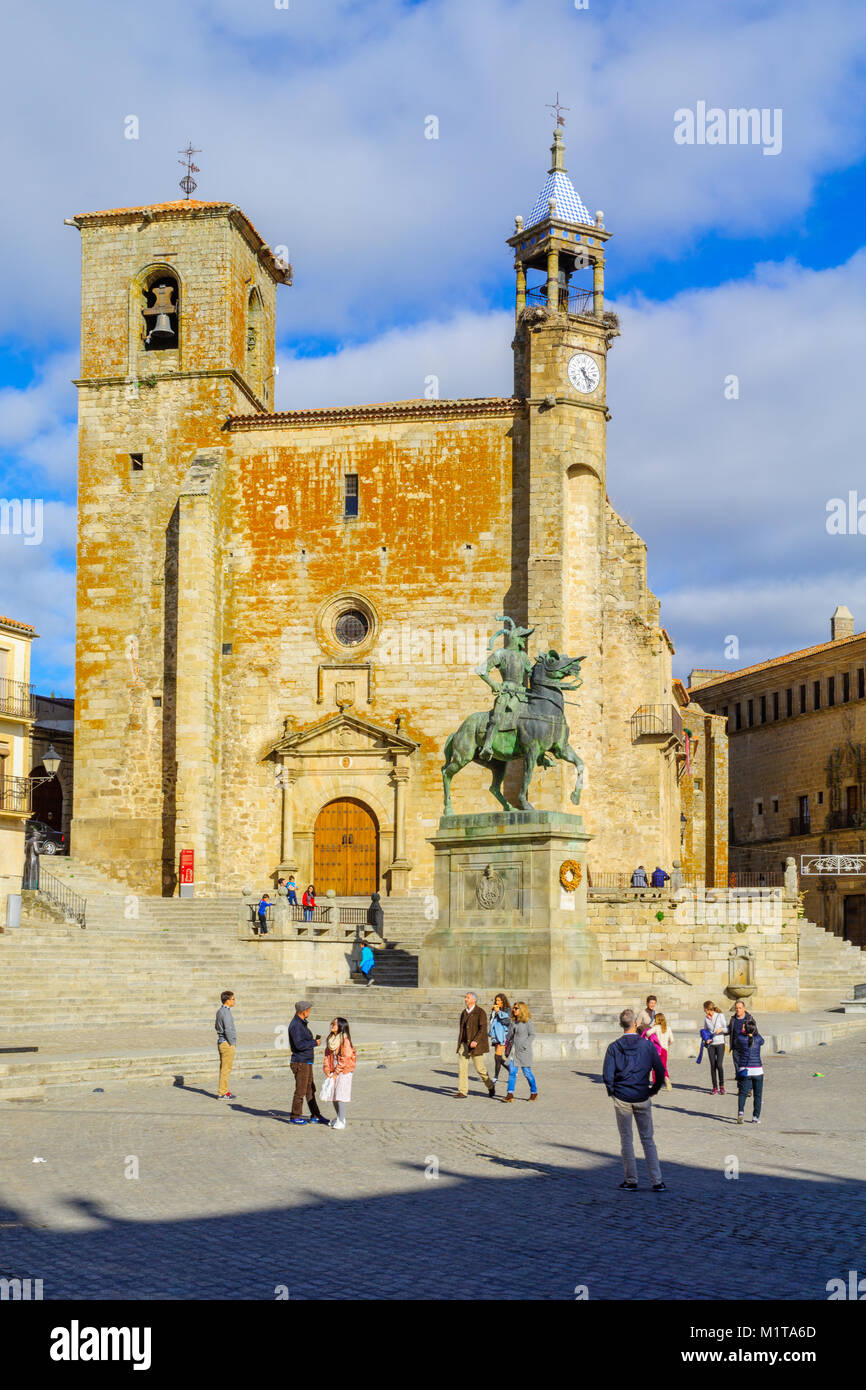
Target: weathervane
557 107
188 183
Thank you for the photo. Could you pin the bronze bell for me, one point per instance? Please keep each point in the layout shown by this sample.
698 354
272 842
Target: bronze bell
163 305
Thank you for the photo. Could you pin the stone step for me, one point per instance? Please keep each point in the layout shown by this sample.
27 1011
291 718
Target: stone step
44 1078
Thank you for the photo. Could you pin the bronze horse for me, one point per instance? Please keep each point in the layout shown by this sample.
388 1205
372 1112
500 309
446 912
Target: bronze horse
541 729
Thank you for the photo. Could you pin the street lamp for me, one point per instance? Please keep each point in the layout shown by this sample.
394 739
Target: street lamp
51 762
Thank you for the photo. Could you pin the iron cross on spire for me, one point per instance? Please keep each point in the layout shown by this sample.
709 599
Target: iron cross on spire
188 183
557 107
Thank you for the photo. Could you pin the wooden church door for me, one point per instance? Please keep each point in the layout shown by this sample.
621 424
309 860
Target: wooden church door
345 849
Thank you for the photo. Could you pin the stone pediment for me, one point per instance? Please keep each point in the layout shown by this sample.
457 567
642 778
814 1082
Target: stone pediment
343 733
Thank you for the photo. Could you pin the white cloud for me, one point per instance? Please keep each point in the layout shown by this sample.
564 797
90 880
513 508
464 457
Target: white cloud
322 137
730 495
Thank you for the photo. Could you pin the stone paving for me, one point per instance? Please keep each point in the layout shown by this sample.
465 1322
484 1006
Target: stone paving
233 1202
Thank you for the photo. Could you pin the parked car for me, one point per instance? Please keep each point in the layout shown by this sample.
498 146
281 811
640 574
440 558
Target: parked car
51 841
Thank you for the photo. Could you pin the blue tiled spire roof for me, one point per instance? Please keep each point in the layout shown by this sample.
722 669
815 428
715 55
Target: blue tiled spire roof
569 206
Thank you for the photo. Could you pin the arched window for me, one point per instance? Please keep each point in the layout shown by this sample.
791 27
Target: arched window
160 311
256 346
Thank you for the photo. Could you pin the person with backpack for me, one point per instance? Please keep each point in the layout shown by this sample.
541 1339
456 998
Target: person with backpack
339 1062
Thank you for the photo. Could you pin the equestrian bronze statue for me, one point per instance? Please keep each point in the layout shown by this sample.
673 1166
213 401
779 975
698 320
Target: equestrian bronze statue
527 721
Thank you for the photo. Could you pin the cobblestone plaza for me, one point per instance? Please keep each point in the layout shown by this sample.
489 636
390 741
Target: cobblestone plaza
231 1202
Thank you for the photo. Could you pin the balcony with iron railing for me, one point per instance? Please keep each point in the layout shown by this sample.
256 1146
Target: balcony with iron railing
800 825
579 303
656 723
16 699
15 796
846 820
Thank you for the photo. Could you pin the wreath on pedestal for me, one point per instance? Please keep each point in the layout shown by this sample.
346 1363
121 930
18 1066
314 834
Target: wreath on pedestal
570 874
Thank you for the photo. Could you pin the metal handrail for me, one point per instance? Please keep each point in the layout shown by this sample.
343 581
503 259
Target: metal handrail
658 965
70 903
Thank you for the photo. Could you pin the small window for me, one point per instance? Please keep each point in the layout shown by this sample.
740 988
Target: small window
750 706
775 804
775 704
350 507
157 700
820 798
831 690
846 688
136 462
789 703
763 709
861 683
816 694
759 808
227 648
738 716
802 699
724 710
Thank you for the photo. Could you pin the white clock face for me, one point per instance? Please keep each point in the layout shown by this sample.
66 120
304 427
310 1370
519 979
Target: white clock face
584 373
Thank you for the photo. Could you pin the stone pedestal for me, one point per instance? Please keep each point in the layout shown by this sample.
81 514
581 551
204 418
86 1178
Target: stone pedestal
505 921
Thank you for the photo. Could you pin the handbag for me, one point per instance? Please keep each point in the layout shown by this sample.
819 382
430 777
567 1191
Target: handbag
328 1087
509 1045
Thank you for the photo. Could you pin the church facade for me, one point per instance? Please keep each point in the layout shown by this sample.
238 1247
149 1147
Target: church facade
281 614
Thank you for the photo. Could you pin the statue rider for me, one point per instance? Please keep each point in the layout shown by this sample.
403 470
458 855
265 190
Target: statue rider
514 666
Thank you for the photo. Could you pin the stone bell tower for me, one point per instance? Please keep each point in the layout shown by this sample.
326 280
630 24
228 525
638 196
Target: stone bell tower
177 333
560 369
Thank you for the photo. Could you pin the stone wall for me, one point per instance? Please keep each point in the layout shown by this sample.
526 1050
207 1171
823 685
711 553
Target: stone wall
697 940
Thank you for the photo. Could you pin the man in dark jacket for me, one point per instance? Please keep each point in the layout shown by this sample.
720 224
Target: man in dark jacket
472 1041
633 1074
740 1025
303 1046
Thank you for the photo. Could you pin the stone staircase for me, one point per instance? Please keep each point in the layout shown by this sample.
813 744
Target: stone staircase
830 967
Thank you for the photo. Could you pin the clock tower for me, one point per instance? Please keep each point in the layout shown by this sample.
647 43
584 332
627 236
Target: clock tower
560 370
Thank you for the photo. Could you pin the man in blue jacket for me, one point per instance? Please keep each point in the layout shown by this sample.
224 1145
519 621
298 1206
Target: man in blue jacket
633 1074
303 1045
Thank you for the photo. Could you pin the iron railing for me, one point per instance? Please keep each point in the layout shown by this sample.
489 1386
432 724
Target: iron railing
15 794
580 302
71 904
621 882
846 820
16 699
656 721
800 825
349 916
759 878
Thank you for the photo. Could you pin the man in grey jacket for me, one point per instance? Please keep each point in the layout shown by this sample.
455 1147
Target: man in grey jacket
226 1040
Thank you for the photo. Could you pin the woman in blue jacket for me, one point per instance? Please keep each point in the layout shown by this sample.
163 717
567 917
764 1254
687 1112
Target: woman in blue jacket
746 1044
500 1018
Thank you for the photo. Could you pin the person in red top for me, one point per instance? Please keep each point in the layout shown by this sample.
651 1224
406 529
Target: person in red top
309 901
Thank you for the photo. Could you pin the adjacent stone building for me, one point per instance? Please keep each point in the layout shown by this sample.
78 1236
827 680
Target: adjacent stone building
16 722
280 613
797 732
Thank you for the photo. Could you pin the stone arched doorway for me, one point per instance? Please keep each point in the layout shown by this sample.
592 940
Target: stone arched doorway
346 849
47 800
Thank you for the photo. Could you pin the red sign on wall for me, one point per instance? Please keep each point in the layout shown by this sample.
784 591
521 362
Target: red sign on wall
187 868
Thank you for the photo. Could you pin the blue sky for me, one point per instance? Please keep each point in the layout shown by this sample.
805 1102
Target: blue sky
312 117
